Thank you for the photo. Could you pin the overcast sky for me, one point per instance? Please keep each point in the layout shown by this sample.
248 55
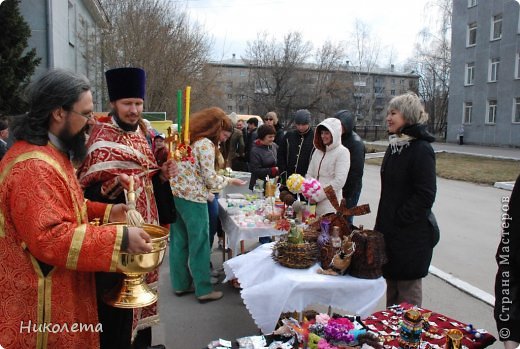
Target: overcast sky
233 23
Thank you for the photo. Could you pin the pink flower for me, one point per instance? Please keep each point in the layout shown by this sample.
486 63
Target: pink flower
322 319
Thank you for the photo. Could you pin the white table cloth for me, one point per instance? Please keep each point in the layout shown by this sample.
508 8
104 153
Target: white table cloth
269 289
236 233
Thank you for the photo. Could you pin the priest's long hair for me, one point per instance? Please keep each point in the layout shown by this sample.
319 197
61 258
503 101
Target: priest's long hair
54 89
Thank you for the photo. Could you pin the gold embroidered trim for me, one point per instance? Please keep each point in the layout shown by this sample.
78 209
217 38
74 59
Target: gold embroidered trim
117 248
75 246
107 213
84 213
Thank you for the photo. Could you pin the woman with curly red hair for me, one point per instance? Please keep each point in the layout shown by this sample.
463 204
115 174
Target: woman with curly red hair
189 246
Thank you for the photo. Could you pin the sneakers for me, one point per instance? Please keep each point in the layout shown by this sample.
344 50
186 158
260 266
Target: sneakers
213 296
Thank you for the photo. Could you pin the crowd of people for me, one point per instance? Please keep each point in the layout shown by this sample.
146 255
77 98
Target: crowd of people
67 168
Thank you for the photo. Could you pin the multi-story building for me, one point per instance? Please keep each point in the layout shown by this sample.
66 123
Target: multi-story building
364 91
485 72
64 34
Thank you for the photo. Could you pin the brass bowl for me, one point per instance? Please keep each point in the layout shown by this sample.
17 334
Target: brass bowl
134 292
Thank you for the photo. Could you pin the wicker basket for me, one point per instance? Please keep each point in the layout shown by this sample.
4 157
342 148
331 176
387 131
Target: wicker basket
310 234
295 256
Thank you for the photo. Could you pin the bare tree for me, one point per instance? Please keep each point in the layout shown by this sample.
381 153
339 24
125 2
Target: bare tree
160 38
289 75
273 71
364 55
432 62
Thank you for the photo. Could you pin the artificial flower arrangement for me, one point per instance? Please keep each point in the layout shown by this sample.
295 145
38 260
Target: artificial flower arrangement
325 332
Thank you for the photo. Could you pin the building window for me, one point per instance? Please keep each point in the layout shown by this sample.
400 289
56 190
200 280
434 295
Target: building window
72 24
470 73
229 96
494 64
468 112
472 3
491 116
496 27
392 92
517 66
242 73
516 110
241 109
472 35
230 108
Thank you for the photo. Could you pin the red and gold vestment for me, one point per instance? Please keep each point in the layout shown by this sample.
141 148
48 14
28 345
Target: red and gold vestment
49 252
111 152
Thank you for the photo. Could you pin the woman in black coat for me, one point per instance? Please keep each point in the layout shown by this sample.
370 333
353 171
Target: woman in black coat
262 161
408 188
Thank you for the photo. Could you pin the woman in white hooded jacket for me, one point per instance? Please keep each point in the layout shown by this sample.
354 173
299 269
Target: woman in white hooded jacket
329 164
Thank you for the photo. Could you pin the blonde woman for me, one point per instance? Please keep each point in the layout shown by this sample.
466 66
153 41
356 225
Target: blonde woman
408 188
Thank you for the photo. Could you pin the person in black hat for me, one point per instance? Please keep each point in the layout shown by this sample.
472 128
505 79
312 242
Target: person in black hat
295 151
118 149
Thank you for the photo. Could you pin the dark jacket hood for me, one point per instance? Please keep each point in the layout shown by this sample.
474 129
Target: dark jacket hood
418 131
347 120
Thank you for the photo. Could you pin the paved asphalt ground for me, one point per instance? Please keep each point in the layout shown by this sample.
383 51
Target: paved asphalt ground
469 218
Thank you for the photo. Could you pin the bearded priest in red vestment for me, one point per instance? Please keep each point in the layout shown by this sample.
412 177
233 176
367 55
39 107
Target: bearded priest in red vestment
117 147
48 250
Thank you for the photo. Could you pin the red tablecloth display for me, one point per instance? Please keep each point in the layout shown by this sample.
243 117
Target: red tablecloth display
386 324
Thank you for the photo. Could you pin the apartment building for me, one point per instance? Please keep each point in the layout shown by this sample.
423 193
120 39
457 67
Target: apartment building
485 72
363 91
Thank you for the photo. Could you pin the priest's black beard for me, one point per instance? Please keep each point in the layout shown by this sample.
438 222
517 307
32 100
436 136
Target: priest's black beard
125 126
76 144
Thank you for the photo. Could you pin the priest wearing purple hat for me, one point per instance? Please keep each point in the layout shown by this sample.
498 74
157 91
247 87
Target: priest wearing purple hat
118 149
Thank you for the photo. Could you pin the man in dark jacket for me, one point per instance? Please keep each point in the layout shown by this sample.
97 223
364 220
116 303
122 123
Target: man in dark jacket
356 147
250 136
295 151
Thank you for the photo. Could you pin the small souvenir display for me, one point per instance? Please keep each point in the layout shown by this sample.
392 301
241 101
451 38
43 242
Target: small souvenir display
339 251
411 329
454 339
295 235
294 183
312 189
322 331
397 327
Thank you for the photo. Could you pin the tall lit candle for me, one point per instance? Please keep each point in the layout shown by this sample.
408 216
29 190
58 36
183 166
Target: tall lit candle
187 116
179 111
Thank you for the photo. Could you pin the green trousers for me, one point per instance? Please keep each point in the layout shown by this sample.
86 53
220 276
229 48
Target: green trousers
189 248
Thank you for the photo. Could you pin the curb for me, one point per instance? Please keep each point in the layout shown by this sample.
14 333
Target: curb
463 286
504 185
